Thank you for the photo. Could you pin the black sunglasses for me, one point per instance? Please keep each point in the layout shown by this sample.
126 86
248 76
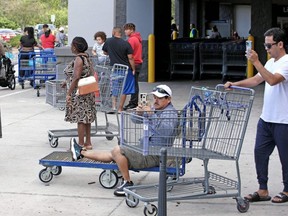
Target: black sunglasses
269 45
161 90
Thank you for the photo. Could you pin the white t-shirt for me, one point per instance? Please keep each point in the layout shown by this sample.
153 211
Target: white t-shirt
275 107
100 54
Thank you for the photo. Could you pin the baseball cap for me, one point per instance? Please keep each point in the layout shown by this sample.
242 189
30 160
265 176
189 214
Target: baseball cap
61 29
162 91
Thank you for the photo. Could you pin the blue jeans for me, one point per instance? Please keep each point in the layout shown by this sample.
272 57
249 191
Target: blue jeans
268 136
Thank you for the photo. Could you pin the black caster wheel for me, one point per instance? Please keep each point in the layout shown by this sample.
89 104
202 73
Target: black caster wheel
45 175
150 210
109 137
131 201
54 143
243 206
108 179
12 84
56 170
38 93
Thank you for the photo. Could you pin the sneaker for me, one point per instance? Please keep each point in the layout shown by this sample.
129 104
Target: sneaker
120 190
75 149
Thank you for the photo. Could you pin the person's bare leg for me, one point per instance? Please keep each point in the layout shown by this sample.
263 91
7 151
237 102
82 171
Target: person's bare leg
122 101
81 133
88 143
114 102
122 163
103 156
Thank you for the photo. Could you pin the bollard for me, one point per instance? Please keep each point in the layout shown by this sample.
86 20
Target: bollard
162 195
151 58
250 67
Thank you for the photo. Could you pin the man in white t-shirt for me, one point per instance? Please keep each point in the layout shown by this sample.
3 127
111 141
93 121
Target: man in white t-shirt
272 127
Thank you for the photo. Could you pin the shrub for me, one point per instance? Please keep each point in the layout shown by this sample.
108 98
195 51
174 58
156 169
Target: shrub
15 41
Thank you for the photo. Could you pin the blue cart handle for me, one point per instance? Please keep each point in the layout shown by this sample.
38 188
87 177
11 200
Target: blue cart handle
235 87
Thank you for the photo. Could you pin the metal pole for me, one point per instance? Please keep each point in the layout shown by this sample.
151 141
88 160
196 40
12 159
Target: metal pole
162 195
0 125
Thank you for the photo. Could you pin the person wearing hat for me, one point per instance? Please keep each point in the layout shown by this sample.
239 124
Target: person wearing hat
61 38
162 131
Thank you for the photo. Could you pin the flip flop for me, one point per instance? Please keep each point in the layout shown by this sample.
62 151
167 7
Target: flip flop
255 197
282 197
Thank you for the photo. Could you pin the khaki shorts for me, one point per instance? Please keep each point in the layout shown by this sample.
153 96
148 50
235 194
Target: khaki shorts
139 161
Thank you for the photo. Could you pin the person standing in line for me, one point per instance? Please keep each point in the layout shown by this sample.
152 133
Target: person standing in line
215 33
27 44
193 32
135 40
100 38
80 109
121 52
272 128
48 41
61 38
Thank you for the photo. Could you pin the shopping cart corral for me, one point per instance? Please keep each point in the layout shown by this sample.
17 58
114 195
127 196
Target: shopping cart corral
106 77
213 126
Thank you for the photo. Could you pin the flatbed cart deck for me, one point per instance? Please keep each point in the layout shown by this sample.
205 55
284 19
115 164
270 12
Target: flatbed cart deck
108 178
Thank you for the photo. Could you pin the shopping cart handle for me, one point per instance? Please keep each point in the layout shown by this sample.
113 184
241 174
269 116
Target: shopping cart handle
234 87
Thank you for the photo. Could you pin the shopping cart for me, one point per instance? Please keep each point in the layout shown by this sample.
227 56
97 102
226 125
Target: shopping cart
36 67
44 70
213 126
106 76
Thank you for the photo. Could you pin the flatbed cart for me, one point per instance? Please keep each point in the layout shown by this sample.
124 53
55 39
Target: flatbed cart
215 133
106 76
110 175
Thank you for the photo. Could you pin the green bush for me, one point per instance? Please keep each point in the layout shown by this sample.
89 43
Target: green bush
5 23
15 41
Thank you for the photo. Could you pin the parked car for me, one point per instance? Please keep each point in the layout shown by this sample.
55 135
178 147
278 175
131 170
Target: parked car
7 34
39 27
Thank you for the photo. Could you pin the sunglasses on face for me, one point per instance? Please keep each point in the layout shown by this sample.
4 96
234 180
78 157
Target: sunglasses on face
269 45
160 90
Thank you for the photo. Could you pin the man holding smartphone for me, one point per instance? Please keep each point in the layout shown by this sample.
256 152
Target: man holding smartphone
162 131
272 128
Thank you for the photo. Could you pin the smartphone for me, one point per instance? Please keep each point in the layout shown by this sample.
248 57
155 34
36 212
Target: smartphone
143 99
248 45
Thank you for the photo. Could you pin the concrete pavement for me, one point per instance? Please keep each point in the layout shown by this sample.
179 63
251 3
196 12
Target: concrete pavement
26 120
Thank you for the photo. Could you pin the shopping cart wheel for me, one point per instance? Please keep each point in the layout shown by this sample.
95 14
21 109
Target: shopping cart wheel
131 201
53 143
242 205
45 175
38 92
108 179
61 108
150 209
56 170
109 137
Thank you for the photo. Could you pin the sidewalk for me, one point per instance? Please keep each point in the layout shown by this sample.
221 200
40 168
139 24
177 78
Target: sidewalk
77 191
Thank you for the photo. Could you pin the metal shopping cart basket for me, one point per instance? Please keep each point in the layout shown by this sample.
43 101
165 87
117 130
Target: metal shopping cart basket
106 77
214 133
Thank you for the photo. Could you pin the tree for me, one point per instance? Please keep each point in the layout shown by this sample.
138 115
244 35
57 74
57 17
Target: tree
30 12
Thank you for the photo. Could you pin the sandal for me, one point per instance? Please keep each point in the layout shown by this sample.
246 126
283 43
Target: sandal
280 198
255 197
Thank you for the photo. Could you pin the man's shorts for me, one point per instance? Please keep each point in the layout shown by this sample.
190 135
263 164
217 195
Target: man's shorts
129 86
139 161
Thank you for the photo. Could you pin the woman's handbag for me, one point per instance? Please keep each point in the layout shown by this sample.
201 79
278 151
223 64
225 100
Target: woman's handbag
87 85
